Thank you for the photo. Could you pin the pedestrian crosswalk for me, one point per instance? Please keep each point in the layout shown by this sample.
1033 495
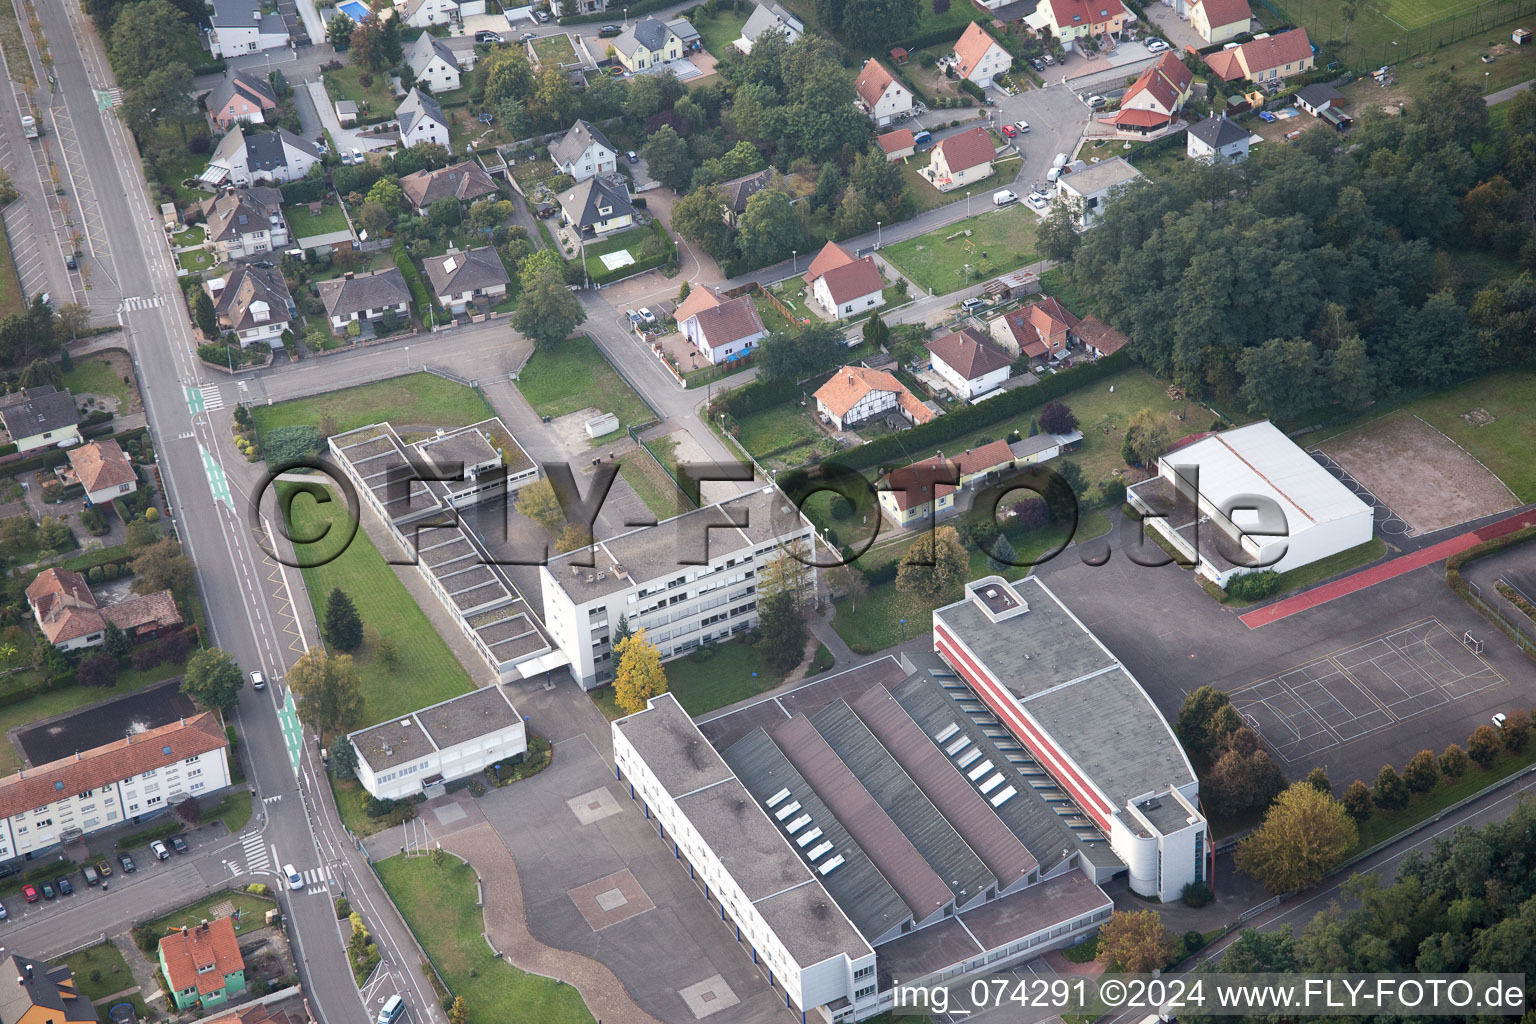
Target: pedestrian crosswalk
256 858
133 302
316 877
213 397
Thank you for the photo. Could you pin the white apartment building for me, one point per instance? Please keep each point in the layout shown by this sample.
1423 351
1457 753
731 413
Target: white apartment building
123 781
687 581
438 744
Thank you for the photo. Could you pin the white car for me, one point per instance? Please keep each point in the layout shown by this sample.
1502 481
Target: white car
1156 45
258 681
295 880
647 315
1096 102
1038 200
158 849
1499 719
1022 126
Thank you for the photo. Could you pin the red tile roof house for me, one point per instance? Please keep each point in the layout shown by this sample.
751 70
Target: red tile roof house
1265 59
68 615
881 98
103 470
1071 20
960 160
855 394
970 364
1042 330
898 145
202 964
979 58
1098 338
1216 21
926 491
724 331
240 97
1150 107
842 285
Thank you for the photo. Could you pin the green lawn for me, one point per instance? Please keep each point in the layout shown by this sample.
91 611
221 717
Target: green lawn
775 320
11 298
415 399
999 241
1410 33
101 971
427 671
719 32
345 84
193 235
253 911
786 431
555 49
1381 826
439 905
575 376
1333 565
1505 445
304 224
97 377
653 486
723 674
195 259
350 798
632 239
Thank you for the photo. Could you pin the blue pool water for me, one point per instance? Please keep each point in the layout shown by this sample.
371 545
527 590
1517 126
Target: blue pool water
354 10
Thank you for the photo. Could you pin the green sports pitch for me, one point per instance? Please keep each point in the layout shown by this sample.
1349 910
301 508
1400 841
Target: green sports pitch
1412 14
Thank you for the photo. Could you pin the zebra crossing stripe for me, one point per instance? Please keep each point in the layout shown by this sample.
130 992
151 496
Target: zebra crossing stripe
317 876
213 397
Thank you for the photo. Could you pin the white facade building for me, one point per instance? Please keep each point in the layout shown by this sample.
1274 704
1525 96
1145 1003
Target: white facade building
1204 497
645 575
438 744
1088 192
435 65
239 26
123 781
584 151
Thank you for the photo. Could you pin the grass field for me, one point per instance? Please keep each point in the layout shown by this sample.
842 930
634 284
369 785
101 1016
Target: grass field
1503 445
719 32
11 298
633 240
786 430
427 671
101 971
576 376
304 224
555 49
98 377
999 241
653 486
439 904
345 84
253 911
725 674
1397 31
415 399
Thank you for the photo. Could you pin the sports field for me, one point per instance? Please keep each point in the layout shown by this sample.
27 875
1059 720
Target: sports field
1393 31
1418 13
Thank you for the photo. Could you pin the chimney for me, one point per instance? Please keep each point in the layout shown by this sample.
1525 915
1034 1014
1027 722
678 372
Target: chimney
850 380
347 276
77 756
205 924
29 970
183 931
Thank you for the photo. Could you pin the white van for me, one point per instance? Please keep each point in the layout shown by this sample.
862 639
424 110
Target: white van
1004 196
391 1010
295 880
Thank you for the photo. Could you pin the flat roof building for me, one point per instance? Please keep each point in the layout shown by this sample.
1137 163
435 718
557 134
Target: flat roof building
438 744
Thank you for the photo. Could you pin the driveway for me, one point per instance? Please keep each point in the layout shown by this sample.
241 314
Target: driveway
345 138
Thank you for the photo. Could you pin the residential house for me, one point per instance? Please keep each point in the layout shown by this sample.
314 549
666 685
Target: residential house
1318 97
462 279
842 285
202 964
68 615
598 205
969 364
769 17
103 471
739 191
457 738
1087 192
897 145
646 43
916 495
1216 21
724 331
249 1014
584 151
278 156
979 58
466 182
426 13
435 65
1265 58
1151 105
243 222
40 417
879 95
255 305
1098 338
365 297
143 774
239 26
421 120
1040 331
241 97
1217 140
1072 20
855 394
960 160
686 34
37 992
698 299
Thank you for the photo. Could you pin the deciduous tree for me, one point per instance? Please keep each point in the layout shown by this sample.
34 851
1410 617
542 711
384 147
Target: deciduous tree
1357 800
666 157
1135 941
329 691
1421 774
547 312
781 620
573 536
640 675
212 679
538 501
1305 832
115 642
97 670
1483 745
1453 763
162 566
1517 730
933 567
1389 793
1317 778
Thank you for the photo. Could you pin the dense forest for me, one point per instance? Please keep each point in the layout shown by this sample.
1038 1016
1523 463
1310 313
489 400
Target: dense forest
1334 271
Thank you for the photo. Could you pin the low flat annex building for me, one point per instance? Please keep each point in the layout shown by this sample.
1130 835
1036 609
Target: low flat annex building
920 837
438 744
688 580
1202 498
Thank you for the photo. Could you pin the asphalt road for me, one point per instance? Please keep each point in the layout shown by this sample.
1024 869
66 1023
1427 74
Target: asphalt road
243 594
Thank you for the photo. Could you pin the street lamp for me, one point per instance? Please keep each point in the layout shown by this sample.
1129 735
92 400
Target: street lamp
1485 82
407 357
877 234
903 630
967 204
794 261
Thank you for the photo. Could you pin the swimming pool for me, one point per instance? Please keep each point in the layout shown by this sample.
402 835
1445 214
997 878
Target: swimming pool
353 9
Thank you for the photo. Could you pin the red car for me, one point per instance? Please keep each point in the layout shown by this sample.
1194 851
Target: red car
30 892
1010 131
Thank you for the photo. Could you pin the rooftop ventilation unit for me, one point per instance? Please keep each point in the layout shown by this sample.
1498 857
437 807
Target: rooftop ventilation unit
798 824
819 850
810 837
787 810
778 798
830 866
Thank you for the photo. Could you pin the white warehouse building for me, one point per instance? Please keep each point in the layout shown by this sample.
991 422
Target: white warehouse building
1202 502
438 744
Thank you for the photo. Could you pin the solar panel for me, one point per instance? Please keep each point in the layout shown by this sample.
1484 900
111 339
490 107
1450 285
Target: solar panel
968 758
991 784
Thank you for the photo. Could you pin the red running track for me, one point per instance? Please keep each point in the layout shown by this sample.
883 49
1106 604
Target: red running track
1385 571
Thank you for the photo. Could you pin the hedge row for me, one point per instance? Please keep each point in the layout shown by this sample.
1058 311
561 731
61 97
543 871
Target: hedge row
306 190
667 255
933 38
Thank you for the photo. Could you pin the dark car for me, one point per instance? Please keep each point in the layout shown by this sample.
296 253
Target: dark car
487 37
609 31
264 264
129 867
48 892
65 888
71 262
1037 64
178 844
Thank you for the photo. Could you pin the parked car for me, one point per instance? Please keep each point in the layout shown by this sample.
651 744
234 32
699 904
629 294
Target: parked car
1156 45
158 849
1038 200
92 876
30 893
1049 60
104 869
609 31
178 844
1037 64
1499 719
542 15
258 681
1004 196
71 262
66 888
970 305
357 155
295 880
391 1010
1096 102
647 315
48 892
1022 126
488 37
1010 131
3 912
634 318
529 37
632 157
129 867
